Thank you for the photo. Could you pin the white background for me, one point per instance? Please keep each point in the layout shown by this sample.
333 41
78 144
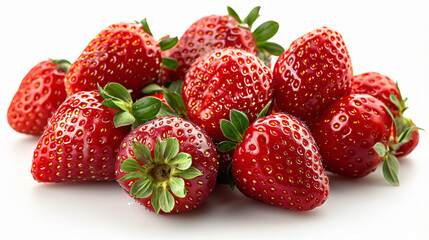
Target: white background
391 37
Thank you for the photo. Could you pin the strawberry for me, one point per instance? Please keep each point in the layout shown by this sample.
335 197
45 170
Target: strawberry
276 161
169 165
39 95
223 31
222 80
312 73
405 135
347 133
125 53
80 142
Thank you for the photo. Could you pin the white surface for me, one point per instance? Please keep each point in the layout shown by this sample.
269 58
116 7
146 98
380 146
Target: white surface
391 37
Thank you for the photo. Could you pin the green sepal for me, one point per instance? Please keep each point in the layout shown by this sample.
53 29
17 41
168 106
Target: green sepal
123 119
175 87
166 149
166 201
145 26
239 120
265 31
133 175
264 111
142 188
146 108
272 48
165 111
142 153
119 92
189 173
229 177
131 165
182 161
152 88
380 149
391 169
234 14
168 43
175 101
252 16
230 131
226 146
170 63
62 64
155 199
177 186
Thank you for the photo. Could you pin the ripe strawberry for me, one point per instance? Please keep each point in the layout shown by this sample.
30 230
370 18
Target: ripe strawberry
125 53
80 142
313 73
223 31
223 80
387 91
39 95
347 132
168 165
277 161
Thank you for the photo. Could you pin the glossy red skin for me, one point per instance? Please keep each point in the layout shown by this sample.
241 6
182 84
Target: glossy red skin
80 142
192 141
408 147
225 159
379 86
208 33
312 73
278 163
39 95
123 53
223 80
347 132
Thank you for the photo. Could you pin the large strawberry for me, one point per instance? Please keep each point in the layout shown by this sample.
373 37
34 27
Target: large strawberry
223 80
223 31
276 161
169 165
80 142
312 73
347 132
405 136
125 53
39 95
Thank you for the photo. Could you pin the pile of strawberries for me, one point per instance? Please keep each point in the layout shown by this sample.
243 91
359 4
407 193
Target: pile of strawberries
170 119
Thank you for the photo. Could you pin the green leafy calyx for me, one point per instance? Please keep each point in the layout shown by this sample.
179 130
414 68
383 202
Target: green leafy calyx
162 176
63 65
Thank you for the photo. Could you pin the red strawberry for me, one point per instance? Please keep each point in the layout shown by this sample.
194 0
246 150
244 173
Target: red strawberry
80 142
125 53
223 80
277 161
347 132
313 73
40 94
223 31
387 91
168 165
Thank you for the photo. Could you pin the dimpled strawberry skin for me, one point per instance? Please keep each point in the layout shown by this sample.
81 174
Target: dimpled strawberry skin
80 142
278 163
192 141
348 130
39 95
223 80
377 85
122 53
314 72
206 34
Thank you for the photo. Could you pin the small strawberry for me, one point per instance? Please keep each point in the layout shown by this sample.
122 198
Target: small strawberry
313 73
224 31
125 53
39 95
276 161
347 133
80 142
168 165
222 80
405 135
